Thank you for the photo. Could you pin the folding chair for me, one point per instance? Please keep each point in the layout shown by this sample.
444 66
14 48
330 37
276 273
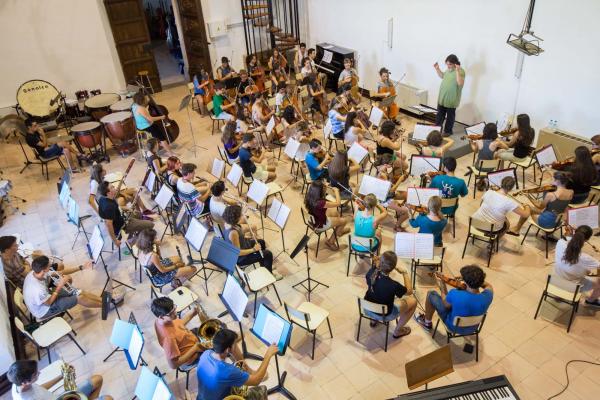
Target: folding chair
42 161
484 232
435 264
374 312
563 291
548 232
480 171
463 322
309 317
210 107
359 247
309 221
257 280
451 202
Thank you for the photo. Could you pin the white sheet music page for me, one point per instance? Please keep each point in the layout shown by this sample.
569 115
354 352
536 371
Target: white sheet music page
378 187
279 213
150 181
327 129
376 115
235 174
270 125
96 243
291 148
420 165
196 233
236 298
217 168
357 153
420 196
64 195
258 191
164 196
583 216
73 211
327 56
475 129
546 155
495 178
421 131
423 246
404 245
272 329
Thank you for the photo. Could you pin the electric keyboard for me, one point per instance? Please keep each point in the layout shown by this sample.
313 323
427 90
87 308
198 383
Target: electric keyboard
495 388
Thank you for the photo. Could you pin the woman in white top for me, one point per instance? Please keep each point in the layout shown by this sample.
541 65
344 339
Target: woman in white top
355 132
572 264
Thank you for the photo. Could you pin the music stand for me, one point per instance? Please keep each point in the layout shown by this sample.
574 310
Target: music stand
163 200
272 328
151 386
387 101
429 367
74 218
258 192
128 338
195 236
185 102
279 213
309 283
235 300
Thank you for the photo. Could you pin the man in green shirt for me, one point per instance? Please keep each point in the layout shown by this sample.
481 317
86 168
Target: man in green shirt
453 80
218 99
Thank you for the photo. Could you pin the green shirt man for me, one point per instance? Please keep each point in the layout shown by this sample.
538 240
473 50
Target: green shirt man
453 80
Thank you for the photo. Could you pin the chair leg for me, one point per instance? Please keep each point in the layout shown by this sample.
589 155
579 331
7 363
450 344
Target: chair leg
465 248
38 352
539 305
314 342
77 344
176 373
435 329
387 333
318 243
358 331
277 294
454 226
525 236
255 296
477 339
329 326
348 266
187 380
571 318
49 348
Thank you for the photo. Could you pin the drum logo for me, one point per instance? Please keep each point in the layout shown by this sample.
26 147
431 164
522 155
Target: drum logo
35 88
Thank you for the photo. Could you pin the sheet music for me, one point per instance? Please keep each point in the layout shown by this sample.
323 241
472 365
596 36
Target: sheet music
357 153
235 174
420 196
64 195
136 343
258 191
235 297
291 148
96 243
504 122
113 177
73 211
421 131
420 165
414 245
270 125
163 198
378 187
150 181
161 392
279 213
583 216
217 168
495 178
327 129
376 115
546 155
195 234
327 56
475 129
272 329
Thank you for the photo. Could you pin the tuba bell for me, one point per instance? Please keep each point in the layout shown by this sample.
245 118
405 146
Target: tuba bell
70 386
207 331
241 391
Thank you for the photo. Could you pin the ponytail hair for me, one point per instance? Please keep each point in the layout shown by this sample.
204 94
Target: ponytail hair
573 251
435 206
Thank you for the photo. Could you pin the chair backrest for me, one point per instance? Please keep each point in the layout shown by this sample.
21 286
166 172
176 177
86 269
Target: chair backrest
297 316
307 217
365 305
19 301
362 241
483 225
190 86
462 322
299 77
21 327
568 286
449 202
488 164
242 275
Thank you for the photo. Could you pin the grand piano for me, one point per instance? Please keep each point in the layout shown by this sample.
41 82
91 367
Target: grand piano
332 65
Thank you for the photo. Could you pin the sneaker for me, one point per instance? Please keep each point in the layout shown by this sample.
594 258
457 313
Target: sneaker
420 319
595 303
277 275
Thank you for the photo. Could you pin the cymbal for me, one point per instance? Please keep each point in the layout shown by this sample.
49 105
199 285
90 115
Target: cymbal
10 124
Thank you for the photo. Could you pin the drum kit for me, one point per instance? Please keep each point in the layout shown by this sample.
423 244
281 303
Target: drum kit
88 119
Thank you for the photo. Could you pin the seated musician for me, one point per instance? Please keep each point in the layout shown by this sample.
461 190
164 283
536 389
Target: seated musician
347 74
432 221
109 211
23 375
436 145
225 71
154 161
302 134
43 303
219 109
583 175
519 146
299 57
289 121
321 77
36 139
195 196
201 83
218 203
261 112
354 131
245 82
317 93
277 61
243 121
574 265
281 97
325 212
252 159
384 90
367 222
252 65
496 205
216 377
339 170
144 121
317 160
383 290
251 251
450 186
231 141
472 301
485 148
15 266
395 174
389 142
595 150
307 67
336 119
173 172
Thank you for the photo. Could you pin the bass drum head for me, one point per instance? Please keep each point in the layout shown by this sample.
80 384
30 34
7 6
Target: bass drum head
34 98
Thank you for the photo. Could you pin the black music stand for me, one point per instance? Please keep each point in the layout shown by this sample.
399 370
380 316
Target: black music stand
185 102
309 283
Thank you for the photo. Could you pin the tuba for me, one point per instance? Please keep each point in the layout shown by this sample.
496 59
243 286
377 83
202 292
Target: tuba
71 393
207 331
241 391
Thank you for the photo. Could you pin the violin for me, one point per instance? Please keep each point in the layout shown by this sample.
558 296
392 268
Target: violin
418 209
431 174
541 189
456 282
257 74
170 127
471 137
227 101
564 164
507 132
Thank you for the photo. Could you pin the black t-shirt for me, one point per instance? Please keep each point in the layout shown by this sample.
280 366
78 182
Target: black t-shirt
246 162
34 140
109 209
384 290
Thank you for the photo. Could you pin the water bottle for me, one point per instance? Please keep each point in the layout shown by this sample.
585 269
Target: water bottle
550 123
555 125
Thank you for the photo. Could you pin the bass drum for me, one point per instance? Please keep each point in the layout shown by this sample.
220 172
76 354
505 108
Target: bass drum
34 98
120 129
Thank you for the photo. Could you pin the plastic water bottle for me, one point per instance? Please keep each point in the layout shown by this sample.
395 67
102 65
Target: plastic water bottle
550 123
555 125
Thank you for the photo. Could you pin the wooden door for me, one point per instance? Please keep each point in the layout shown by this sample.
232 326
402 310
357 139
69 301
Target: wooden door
132 39
194 36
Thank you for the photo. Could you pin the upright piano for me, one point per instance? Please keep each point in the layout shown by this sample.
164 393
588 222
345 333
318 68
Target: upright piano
494 388
332 65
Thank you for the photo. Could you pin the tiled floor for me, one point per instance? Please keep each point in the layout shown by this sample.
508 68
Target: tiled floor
532 353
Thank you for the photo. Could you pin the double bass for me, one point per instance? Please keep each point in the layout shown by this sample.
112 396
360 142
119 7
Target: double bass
169 126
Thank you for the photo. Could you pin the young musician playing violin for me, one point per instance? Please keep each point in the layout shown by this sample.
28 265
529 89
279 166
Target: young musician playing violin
299 56
225 71
472 301
245 82
383 290
325 213
244 123
317 160
488 144
173 172
231 141
436 145
519 146
250 155
432 221
348 74
388 142
261 112
153 159
336 119
449 185
583 175
388 172
355 132
220 109
367 223
340 171
201 84
289 120
146 122
572 264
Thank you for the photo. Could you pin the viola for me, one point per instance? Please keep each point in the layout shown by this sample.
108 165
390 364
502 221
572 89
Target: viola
541 189
472 137
431 174
456 282
169 126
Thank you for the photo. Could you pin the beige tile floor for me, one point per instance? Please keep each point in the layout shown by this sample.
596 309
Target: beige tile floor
532 353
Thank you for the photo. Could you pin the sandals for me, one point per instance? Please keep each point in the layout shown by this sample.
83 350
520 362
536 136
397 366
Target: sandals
405 330
331 245
175 283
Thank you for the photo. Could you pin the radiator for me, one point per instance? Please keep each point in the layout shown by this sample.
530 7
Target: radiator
407 96
564 143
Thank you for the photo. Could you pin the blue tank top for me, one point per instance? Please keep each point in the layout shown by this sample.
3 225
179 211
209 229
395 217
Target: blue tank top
140 122
363 225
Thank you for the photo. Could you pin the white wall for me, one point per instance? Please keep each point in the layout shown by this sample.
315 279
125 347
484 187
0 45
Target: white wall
65 42
560 84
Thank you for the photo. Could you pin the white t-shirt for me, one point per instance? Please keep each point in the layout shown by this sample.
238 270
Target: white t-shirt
93 187
573 272
350 136
35 294
494 208
217 207
36 392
